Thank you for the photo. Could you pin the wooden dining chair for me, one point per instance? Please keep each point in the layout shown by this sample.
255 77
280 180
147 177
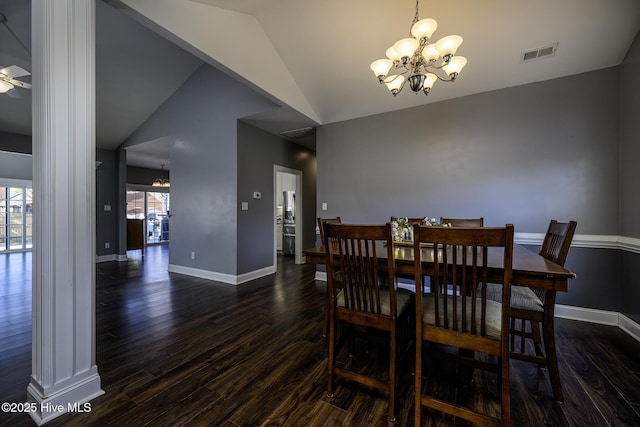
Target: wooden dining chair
321 223
463 222
363 258
457 314
537 307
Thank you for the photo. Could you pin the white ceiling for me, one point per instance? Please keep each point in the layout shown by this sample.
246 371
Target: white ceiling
327 45
313 56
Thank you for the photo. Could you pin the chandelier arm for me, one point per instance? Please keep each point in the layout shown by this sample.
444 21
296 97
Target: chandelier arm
401 87
439 63
431 67
436 71
392 77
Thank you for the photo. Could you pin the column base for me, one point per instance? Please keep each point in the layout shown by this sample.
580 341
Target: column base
73 396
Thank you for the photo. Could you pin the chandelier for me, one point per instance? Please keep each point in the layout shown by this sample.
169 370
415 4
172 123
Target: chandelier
424 63
161 182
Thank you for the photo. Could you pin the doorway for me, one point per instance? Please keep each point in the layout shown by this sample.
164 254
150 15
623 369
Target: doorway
287 213
153 208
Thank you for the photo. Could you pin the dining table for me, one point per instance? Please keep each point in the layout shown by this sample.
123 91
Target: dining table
528 268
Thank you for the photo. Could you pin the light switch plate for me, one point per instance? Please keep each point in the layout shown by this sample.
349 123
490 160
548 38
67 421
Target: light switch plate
324 206
245 206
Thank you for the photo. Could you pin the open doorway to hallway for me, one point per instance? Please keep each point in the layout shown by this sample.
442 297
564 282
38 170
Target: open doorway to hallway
287 218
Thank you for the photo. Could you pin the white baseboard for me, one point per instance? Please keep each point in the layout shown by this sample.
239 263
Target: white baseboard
592 315
222 277
111 257
602 317
629 326
256 274
203 274
106 258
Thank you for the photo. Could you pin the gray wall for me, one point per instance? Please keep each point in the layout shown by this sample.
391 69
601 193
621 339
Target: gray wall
520 155
200 118
16 165
258 152
12 164
630 176
144 176
106 194
15 142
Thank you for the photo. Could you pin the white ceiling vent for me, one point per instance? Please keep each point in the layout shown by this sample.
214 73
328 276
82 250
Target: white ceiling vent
539 53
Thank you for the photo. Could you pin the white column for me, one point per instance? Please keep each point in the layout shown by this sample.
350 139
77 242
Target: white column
64 371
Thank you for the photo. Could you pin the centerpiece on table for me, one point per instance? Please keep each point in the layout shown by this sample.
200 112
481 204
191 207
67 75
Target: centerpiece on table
402 228
434 222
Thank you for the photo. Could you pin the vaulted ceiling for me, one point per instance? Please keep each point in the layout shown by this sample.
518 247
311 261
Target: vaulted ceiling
312 57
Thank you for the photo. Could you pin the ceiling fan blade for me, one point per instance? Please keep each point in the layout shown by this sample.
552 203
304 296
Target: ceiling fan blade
19 83
13 93
8 74
14 71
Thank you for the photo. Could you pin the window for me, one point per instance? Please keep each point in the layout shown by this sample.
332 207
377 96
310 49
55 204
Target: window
153 207
16 218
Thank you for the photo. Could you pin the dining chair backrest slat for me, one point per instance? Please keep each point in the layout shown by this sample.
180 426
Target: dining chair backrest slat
355 262
557 241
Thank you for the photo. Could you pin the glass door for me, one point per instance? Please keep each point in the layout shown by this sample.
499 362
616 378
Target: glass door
153 207
157 217
16 218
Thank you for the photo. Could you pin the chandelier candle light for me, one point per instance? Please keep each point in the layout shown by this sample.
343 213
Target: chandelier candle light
161 182
424 62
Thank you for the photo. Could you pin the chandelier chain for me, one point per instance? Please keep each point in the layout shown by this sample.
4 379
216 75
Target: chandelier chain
416 17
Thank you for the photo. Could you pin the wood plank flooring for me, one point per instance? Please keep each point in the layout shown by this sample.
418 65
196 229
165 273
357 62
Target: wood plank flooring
174 350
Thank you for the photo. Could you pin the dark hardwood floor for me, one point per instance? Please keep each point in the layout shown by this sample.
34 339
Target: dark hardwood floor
174 350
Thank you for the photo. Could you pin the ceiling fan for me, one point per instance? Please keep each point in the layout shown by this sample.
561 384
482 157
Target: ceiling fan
8 75
8 80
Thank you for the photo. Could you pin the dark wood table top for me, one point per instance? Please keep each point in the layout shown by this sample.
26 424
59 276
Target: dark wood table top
529 268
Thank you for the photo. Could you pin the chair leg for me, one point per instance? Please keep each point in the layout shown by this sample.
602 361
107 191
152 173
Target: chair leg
548 336
418 384
552 359
537 339
393 350
325 323
330 357
505 391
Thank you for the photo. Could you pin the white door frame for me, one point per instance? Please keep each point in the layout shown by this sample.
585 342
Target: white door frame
299 212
